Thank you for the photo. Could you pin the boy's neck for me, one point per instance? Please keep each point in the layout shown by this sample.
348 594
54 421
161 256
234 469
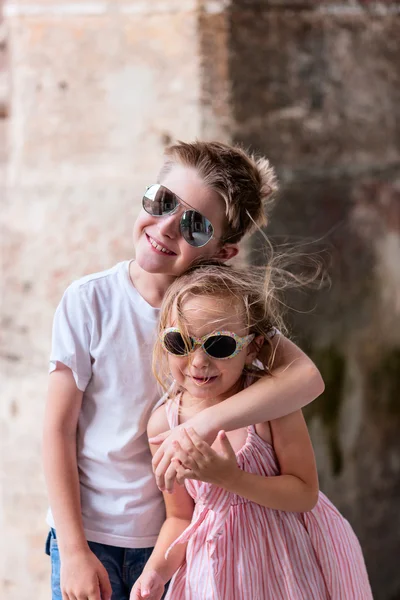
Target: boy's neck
151 286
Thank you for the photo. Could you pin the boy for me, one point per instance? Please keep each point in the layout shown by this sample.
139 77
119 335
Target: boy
106 510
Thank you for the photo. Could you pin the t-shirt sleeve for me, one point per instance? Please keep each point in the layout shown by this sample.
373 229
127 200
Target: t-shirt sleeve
71 337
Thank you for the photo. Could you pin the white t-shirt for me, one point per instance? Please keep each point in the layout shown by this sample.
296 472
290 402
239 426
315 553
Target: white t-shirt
104 331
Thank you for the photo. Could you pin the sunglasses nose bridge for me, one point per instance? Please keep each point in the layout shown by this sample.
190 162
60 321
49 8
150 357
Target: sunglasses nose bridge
197 344
198 352
176 209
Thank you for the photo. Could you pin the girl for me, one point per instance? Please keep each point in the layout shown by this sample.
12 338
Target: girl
250 523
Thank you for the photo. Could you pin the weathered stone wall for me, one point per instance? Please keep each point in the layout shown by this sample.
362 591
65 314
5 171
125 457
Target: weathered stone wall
97 90
316 86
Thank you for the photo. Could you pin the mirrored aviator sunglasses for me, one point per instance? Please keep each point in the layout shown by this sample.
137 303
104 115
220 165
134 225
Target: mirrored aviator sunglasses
220 345
159 201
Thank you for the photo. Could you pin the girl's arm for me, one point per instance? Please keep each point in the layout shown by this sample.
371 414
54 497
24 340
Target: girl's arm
295 489
179 511
295 382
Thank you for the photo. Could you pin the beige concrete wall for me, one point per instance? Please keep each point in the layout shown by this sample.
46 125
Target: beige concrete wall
98 89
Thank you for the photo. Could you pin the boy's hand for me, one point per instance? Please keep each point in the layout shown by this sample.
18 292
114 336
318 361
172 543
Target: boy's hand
149 586
166 452
83 577
199 461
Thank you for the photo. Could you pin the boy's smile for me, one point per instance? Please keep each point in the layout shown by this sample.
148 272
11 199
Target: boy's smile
156 245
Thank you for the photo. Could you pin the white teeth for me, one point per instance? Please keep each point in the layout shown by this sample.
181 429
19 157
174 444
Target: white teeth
158 247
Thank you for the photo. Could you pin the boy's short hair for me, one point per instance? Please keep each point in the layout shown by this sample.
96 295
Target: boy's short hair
245 182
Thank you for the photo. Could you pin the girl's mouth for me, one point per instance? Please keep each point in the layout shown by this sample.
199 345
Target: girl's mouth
200 381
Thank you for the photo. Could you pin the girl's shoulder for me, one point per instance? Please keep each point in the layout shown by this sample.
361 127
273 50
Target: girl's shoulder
285 429
263 430
290 429
158 421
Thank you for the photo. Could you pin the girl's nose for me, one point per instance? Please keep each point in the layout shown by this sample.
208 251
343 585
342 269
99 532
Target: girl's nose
200 359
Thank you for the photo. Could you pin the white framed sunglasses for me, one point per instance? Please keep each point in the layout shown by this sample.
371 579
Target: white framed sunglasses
220 344
159 201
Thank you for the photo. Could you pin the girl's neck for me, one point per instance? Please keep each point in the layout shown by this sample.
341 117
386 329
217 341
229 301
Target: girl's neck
151 286
194 405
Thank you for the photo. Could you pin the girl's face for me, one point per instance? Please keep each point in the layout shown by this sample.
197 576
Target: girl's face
199 374
158 242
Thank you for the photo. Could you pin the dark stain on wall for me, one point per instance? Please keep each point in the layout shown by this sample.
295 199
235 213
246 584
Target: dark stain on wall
318 93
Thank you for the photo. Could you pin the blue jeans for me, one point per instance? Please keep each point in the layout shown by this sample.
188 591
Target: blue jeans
123 565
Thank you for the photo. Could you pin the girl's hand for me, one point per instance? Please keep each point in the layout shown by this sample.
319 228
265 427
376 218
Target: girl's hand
195 459
164 472
149 586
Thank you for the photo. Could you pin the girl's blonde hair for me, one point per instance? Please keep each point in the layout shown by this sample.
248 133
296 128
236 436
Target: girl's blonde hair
245 182
250 290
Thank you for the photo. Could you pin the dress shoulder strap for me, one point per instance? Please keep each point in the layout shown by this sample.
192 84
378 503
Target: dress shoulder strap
172 410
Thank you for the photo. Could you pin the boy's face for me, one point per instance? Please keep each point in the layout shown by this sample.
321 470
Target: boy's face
160 247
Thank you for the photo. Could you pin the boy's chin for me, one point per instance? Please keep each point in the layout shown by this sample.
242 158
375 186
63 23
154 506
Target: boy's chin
155 265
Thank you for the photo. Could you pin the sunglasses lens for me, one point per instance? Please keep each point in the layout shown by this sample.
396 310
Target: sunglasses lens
196 230
159 201
220 346
175 343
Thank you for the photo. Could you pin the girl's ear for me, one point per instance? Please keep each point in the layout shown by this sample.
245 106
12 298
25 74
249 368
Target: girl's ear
254 348
226 252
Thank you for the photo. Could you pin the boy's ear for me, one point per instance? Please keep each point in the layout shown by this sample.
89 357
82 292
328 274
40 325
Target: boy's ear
226 252
254 348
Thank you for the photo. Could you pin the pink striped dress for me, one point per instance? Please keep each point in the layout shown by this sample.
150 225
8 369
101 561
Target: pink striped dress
239 550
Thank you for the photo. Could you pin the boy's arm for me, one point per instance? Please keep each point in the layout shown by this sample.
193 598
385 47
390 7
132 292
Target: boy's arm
179 511
295 381
82 574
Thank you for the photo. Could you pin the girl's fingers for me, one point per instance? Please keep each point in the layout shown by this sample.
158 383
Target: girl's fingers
182 473
185 458
226 445
193 444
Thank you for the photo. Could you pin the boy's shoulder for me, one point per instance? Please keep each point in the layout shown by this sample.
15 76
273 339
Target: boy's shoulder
107 295
98 287
94 293
94 278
